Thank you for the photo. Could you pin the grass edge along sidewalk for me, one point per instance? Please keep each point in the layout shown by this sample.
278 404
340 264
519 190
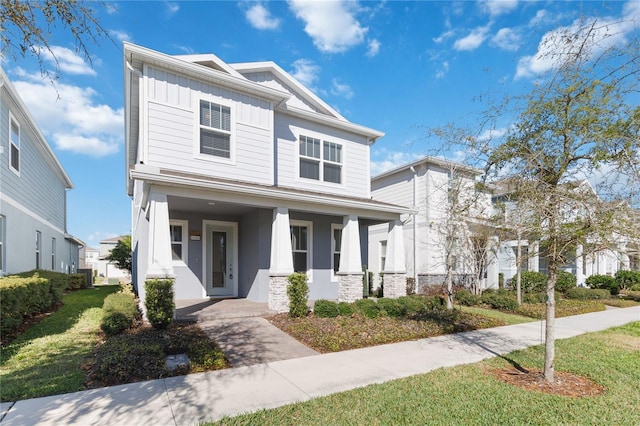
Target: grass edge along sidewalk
468 395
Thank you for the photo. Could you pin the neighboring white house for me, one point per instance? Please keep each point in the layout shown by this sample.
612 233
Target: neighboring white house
239 176
447 220
33 194
89 258
108 269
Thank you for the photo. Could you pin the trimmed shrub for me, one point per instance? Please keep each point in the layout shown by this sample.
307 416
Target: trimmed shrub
627 279
412 304
159 302
466 298
77 281
115 323
368 307
531 281
298 293
391 307
635 287
346 309
565 281
501 299
603 282
581 293
22 297
325 309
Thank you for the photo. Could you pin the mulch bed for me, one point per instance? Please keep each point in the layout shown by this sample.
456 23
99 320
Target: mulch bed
564 384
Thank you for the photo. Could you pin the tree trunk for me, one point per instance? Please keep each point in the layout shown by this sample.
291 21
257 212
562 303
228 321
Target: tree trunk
550 332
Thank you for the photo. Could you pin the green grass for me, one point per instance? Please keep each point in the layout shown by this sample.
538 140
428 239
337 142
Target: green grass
509 319
45 359
466 395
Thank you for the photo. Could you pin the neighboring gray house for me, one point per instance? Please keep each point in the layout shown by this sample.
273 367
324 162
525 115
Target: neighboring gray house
239 176
447 223
33 194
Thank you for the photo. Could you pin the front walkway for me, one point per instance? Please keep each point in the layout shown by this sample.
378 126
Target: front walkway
195 398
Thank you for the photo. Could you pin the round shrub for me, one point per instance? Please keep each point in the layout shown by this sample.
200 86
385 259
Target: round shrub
115 323
466 298
565 281
501 300
325 309
159 302
346 309
603 282
367 307
391 307
298 293
627 279
532 282
581 293
412 304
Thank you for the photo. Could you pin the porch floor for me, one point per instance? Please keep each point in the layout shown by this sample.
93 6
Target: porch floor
238 326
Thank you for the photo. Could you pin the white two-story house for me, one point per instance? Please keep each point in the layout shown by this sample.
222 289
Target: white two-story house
33 194
446 230
239 176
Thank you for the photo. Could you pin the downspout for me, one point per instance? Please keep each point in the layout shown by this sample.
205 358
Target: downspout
414 209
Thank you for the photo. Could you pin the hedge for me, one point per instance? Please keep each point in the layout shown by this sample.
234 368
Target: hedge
581 293
23 297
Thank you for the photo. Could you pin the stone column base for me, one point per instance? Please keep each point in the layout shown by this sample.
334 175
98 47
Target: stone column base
349 287
278 299
395 285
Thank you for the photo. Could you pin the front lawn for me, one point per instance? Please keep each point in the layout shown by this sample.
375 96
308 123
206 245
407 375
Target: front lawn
46 358
472 395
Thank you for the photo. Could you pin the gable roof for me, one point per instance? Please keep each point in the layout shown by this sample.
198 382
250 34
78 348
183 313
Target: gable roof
41 141
430 160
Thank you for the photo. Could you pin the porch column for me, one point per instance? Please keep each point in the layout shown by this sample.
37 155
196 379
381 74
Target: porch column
395 268
160 259
534 256
493 266
281 260
350 268
579 266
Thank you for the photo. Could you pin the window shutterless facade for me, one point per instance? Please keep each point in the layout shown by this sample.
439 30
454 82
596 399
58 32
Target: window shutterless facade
179 243
53 254
383 254
14 149
215 129
38 249
336 242
320 160
301 243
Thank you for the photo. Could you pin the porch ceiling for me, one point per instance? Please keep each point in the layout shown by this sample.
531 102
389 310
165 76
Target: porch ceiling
207 207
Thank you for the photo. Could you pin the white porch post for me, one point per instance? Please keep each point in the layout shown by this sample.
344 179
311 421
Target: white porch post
579 266
350 269
493 266
281 260
534 256
160 260
395 269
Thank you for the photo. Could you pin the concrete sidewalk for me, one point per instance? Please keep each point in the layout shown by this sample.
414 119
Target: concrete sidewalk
187 400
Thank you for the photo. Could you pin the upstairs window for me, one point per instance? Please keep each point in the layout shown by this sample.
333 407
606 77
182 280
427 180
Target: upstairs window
215 129
14 151
320 160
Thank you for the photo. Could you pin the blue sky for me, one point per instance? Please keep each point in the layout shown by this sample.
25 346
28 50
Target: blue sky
399 67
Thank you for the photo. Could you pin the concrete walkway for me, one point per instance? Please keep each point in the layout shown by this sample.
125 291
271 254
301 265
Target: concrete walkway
187 400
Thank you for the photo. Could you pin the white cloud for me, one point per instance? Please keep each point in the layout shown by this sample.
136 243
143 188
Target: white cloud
339 89
444 36
499 7
260 17
171 8
607 32
507 39
541 17
70 117
374 48
492 134
330 24
306 72
473 40
119 35
390 160
443 70
67 60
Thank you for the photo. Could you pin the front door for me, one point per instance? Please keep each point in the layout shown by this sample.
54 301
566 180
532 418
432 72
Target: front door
220 252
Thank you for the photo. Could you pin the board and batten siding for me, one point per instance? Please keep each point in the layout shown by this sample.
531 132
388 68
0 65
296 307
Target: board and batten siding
355 153
271 81
39 188
172 109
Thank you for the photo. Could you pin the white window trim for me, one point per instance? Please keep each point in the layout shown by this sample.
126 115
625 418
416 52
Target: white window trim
232 133
38 250
321 161
334 226
53 253
185 241
380 244
309 226
10 156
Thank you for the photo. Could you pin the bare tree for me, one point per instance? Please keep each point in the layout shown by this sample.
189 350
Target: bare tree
25 28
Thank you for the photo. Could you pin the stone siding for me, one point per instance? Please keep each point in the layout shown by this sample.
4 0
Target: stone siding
395 285
349 287
278 299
